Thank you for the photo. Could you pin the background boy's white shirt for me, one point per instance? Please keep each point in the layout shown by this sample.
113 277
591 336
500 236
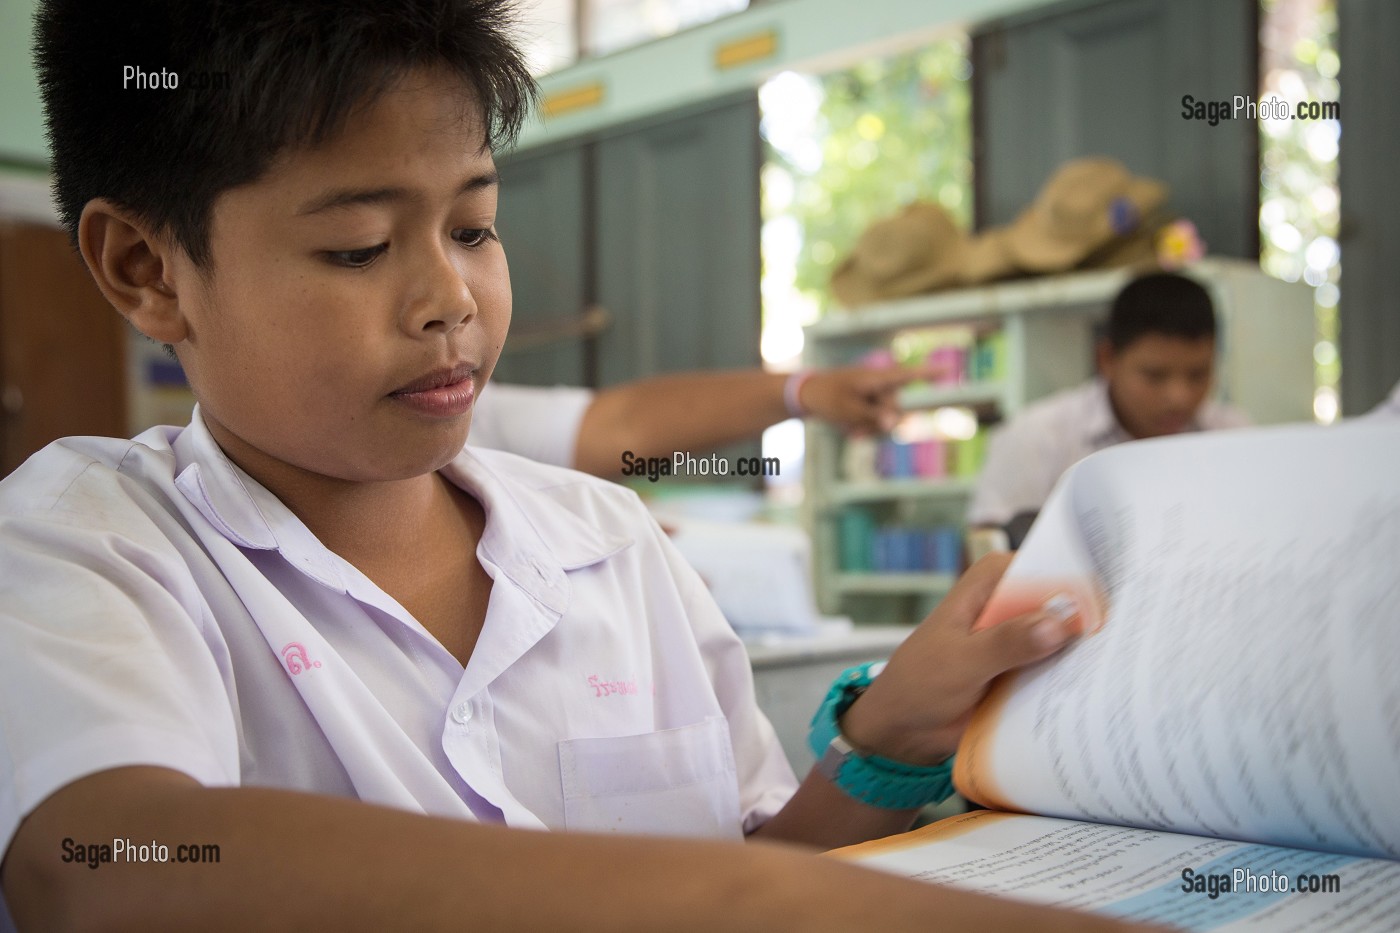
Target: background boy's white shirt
1027 455
1390 408
538 422
158 606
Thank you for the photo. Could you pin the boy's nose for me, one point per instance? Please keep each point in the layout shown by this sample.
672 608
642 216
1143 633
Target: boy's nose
1181 395
444 301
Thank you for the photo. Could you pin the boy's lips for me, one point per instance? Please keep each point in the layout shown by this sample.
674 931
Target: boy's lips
438 378
1173 424
443 392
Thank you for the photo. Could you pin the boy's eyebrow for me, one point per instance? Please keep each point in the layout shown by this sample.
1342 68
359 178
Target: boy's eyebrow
338 198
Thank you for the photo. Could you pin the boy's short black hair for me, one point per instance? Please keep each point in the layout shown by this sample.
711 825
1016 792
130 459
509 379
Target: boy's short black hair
256 77
1160 303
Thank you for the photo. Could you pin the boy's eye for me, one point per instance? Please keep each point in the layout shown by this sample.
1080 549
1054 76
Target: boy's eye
1154 376
474 238
357 258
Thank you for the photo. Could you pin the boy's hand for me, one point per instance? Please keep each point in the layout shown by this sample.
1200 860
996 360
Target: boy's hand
916 710
858 398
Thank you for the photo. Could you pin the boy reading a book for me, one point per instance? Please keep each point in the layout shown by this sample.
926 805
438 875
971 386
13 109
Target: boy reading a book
1156 365
308 663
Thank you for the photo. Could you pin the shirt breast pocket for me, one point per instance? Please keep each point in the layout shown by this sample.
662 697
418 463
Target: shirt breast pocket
677 782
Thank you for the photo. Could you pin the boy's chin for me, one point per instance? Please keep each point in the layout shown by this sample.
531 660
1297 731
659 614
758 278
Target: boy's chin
433 460
405 460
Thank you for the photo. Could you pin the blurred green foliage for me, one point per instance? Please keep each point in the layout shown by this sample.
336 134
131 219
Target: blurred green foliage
1299 205
891 130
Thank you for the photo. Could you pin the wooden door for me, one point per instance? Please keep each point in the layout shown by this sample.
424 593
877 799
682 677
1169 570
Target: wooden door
1081 79
1370 325
62 346
543 224
678 242
656 223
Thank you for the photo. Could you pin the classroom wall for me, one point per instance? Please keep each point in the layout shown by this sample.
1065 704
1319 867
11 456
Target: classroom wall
808 34
21 118
636 82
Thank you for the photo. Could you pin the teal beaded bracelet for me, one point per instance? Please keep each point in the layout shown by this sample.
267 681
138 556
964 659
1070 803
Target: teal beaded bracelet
872 779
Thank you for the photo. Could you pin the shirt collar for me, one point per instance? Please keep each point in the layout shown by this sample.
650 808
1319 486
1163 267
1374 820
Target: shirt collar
218 488
242 509
528 535
1101 427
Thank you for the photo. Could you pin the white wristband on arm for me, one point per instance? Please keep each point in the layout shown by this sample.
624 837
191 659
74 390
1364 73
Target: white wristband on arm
792 393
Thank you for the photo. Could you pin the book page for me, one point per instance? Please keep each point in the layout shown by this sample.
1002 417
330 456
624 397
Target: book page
1190 882
1241 679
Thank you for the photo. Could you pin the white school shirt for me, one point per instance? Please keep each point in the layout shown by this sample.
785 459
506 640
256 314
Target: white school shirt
538 422
160 607
1389 408
1026 456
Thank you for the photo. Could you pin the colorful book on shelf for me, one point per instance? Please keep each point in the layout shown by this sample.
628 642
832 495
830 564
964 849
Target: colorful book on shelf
1221 749
867 548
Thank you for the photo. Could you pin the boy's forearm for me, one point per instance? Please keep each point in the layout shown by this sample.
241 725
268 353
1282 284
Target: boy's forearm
690 412
823 816
298 861
294 861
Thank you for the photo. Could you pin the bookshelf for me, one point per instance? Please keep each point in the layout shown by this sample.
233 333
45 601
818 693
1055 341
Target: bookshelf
1041 332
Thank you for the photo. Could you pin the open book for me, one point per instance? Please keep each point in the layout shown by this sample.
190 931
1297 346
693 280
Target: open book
1221 751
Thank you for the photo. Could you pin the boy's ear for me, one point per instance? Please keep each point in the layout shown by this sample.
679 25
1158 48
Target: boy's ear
132 267
1104 356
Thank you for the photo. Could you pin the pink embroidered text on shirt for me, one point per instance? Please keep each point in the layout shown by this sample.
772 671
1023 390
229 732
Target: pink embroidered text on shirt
294 653
602 688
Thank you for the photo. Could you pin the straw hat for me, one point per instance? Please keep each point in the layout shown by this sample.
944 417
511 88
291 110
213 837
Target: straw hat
1159 242
1136 250
984 258
1084 205
912 252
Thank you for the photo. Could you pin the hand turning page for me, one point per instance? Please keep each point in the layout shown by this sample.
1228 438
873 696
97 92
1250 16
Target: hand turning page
1237 681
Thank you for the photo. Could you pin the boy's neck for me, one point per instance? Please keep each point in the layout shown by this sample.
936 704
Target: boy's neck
366 522
360 521
414 538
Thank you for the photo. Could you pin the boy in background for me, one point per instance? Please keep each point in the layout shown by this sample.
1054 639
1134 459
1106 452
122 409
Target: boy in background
1156 365
1390 407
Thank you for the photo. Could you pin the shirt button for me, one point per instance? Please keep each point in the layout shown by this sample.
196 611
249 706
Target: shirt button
542 575
462 713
